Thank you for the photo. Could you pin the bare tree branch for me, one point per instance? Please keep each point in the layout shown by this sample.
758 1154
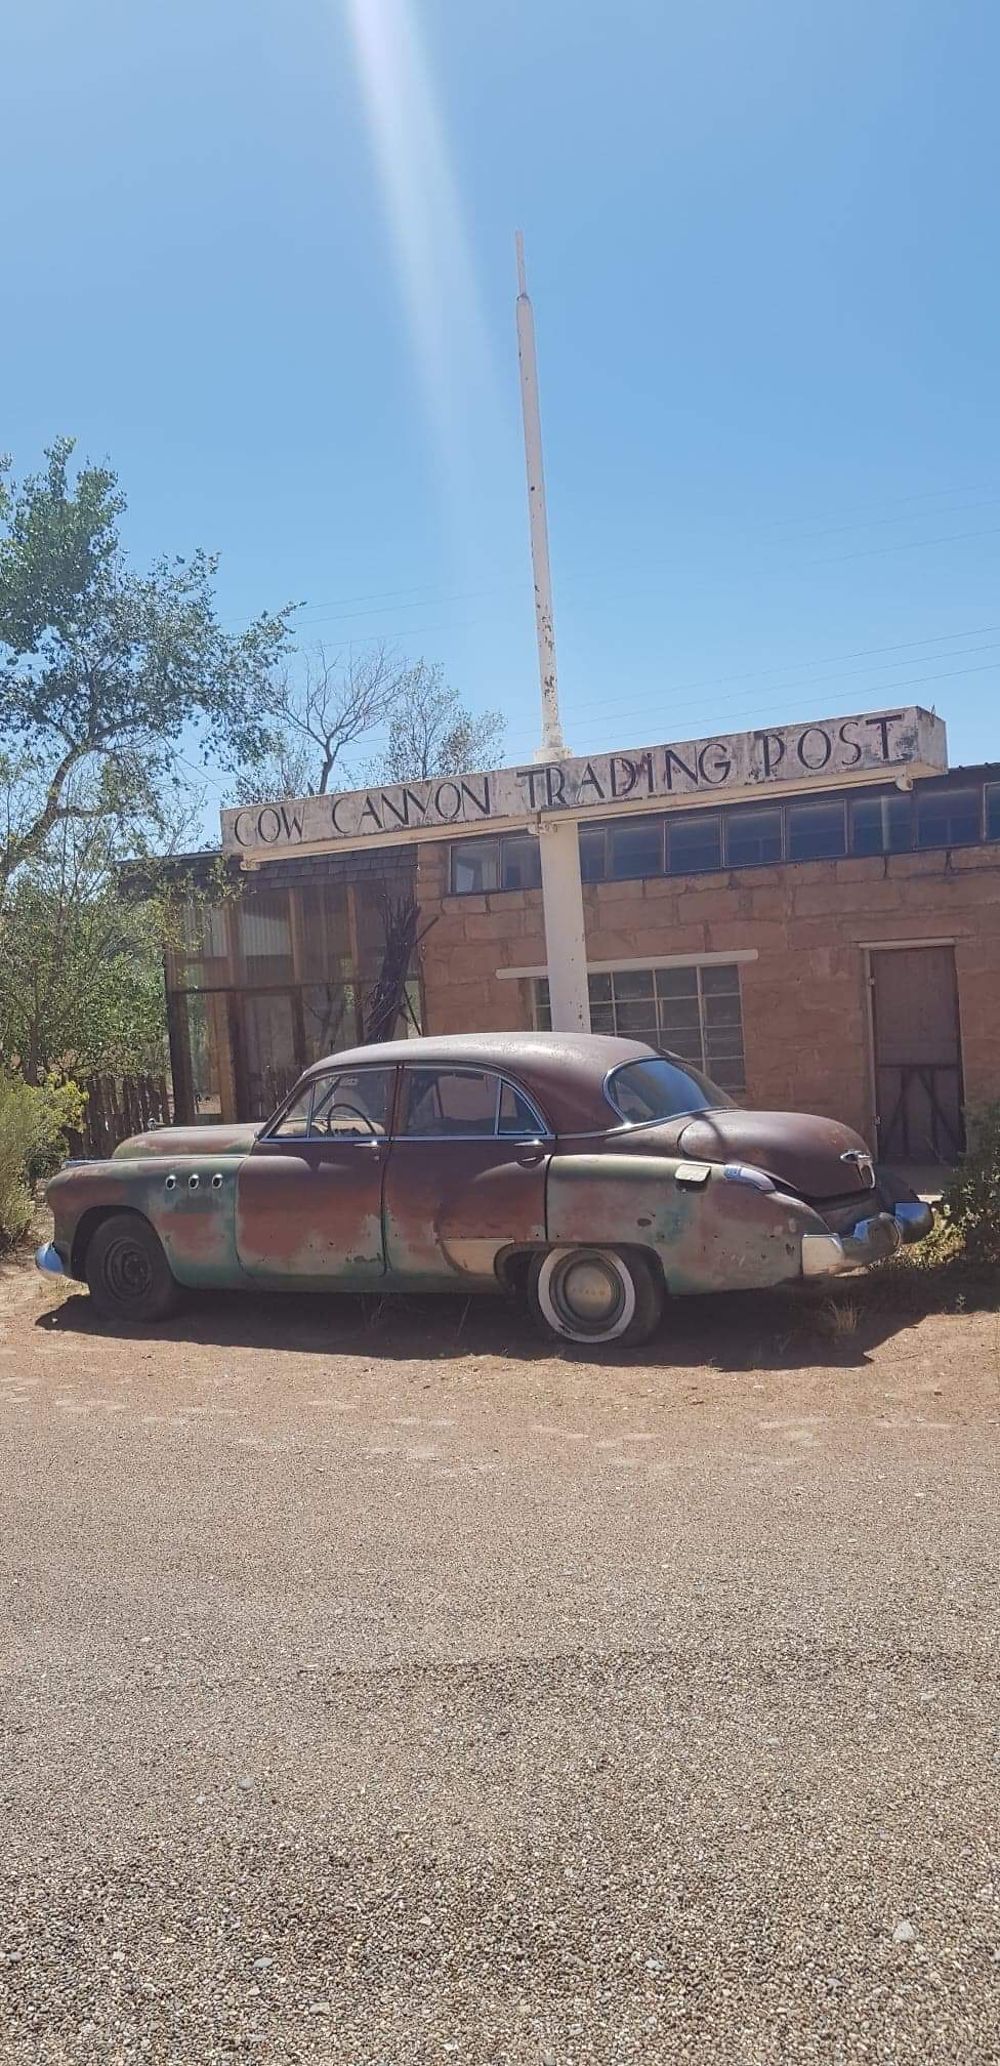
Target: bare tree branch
315 717
432 732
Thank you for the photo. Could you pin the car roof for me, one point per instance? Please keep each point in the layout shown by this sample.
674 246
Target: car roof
565 1071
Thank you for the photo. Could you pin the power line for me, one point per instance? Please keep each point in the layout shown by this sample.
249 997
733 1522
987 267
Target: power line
797 667
429 602
342 609
890 502
754 711
907 545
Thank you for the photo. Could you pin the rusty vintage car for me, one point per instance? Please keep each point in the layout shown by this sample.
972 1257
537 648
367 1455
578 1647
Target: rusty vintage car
595 1175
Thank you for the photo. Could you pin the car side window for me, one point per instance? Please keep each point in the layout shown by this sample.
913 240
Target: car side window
352 1105
294 1126
447 1104
517 1118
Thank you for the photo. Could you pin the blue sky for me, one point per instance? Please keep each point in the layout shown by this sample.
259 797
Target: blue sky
262 257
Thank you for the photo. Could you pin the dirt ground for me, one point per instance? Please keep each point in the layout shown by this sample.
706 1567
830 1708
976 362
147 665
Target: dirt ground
379 1686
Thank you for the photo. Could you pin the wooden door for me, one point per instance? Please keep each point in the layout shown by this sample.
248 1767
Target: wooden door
918 1064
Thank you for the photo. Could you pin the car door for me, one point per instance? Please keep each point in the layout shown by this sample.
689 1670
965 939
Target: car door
309 1195
465 1177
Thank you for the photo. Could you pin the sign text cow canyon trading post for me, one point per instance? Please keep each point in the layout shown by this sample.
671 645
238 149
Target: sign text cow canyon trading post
862 748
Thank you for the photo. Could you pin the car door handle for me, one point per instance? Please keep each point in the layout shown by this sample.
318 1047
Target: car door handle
529 1153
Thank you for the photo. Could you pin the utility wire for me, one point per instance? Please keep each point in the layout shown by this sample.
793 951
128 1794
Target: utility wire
796 668
753 711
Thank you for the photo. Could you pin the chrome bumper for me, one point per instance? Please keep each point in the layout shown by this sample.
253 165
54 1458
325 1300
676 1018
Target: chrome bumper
870 1240
914 1218
49 1261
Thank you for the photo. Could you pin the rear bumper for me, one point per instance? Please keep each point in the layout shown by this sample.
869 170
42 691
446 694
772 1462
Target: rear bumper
914 1218
870 1240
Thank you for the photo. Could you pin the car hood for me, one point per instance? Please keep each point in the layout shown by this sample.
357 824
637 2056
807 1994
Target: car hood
797 1149
189 1140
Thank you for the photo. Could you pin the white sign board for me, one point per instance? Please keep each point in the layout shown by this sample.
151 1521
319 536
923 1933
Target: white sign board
740 764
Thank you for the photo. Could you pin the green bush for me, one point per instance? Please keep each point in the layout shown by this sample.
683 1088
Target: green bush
971 1201
34 1122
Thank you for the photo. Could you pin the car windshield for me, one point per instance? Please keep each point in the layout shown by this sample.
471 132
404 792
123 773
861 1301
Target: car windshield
661 1089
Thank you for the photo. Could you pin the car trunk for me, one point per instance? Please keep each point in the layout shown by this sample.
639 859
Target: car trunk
819 1158
802 1153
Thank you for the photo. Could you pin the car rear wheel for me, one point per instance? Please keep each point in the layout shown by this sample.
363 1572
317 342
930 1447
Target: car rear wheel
127 1272
596 1295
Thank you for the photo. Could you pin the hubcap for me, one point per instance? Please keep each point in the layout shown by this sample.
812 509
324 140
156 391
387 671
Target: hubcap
590 1291
128 1272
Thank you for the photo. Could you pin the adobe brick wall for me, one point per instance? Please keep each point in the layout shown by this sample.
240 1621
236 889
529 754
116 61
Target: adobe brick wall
805 1006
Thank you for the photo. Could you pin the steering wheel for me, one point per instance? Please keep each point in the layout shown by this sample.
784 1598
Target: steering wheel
356 1113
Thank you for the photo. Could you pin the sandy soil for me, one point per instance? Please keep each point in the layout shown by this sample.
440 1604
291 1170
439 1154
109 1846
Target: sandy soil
378 1686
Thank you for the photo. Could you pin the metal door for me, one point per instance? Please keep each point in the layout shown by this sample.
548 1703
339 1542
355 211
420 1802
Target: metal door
309 1200
918 1064
456 1197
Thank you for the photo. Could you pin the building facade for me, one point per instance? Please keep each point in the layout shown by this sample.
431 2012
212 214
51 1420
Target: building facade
834 948
838 953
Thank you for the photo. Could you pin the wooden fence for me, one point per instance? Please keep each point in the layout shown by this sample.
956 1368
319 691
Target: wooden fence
118 1106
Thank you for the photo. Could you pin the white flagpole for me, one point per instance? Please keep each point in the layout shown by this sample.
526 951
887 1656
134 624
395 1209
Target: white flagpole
559 846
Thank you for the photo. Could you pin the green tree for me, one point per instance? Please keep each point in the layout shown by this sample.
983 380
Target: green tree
81 965
106 673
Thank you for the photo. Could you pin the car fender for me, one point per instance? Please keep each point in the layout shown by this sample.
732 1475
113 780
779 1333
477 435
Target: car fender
189 1201
708 1232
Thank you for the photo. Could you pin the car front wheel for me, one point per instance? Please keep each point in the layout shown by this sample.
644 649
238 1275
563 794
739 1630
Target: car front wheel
596 1295
127 1272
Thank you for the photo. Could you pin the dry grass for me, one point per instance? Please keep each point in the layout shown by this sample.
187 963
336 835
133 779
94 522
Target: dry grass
838 1318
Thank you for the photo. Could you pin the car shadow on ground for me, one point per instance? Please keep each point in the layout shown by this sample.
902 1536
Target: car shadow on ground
793 1328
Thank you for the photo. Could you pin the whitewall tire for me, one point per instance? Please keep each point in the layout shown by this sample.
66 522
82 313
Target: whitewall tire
596 1296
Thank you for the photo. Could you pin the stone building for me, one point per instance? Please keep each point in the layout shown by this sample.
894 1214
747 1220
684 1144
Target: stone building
830 943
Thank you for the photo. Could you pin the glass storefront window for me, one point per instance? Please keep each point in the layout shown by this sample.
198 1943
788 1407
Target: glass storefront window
593 855
198 958
694 845
475 866
268 1057
636 848
881 824
815 831
753 837
265 936
324 939
329 1019
204 1028
520 862
948 817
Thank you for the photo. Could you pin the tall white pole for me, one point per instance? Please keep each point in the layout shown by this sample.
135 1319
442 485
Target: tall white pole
553 745
559 845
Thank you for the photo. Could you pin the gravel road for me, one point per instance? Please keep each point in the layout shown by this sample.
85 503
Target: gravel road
379 1688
